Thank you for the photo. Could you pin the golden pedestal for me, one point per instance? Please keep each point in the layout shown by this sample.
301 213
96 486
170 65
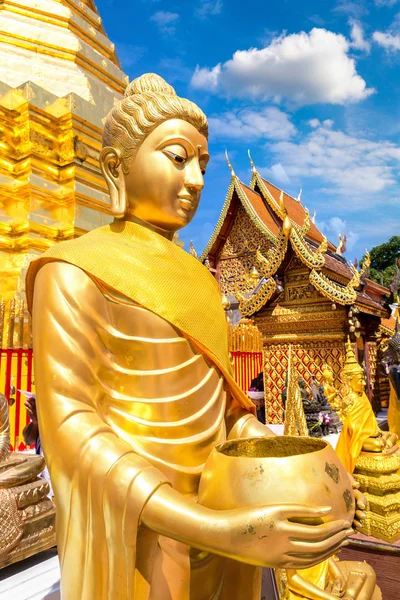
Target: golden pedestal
379 477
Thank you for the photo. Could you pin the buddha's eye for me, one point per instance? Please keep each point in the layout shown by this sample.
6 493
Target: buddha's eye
177 154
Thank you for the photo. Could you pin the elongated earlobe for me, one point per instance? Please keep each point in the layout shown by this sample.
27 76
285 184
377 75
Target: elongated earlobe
110 164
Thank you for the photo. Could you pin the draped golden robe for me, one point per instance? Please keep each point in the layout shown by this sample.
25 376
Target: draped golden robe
394 412
133 385
358 425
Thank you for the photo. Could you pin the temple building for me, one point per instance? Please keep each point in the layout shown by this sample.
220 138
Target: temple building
275 266
59 77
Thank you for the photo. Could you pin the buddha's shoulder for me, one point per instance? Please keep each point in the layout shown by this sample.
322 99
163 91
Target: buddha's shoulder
58 280
75 285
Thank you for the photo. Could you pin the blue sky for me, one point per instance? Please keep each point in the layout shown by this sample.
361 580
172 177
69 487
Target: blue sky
312 88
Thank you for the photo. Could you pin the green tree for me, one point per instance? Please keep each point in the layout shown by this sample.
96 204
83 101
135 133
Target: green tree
384 261
386 255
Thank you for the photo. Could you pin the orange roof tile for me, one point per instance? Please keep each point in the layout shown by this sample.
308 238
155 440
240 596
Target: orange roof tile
296 212
260 210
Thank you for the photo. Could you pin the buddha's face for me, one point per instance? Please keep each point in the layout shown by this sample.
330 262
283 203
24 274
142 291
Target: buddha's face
166 176
358 383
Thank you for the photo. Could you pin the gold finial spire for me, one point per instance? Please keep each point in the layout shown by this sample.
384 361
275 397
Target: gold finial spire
351 366
233 174
253 166
192 250
225 303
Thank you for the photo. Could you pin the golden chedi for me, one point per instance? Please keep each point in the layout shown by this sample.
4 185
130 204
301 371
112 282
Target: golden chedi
134 384
372 455
27 521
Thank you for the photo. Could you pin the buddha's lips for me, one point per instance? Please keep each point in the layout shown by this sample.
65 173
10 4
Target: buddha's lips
187 202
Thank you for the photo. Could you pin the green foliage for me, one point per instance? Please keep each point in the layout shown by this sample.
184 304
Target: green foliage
383 262
386 255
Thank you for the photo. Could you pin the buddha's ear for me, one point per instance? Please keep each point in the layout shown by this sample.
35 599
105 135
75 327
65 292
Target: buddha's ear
111 167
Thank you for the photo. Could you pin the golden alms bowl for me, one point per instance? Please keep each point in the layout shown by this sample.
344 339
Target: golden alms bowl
277 470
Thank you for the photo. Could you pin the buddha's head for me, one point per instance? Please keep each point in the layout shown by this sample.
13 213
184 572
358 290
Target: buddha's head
352 373
154 155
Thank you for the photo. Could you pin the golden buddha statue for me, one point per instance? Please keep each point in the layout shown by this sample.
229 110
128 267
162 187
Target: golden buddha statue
360 428
331 393
135 389
27 522
370 454
393 358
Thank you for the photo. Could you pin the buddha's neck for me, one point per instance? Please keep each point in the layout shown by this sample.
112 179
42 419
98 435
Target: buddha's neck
169 235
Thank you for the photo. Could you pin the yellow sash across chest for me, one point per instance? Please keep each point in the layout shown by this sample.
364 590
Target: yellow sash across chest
156 274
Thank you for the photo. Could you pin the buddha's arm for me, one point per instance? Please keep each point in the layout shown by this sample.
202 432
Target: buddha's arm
242 424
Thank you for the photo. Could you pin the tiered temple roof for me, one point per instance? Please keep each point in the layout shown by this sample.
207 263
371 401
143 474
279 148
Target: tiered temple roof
263 251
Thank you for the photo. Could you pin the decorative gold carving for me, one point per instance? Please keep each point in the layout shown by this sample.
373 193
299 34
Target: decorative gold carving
299 293
245 337
307 358
303 251
268 266
331 290
241 247
378 475
295 419
24 512
40 144
249 306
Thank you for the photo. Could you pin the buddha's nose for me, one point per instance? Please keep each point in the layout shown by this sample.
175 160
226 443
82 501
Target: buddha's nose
194 177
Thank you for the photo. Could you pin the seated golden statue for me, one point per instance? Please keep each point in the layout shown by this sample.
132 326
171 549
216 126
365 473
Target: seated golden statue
360 428
135 389
331 392
26 514
372 455
393 359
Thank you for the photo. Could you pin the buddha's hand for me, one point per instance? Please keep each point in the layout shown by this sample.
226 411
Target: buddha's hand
361 503
390 442
271 536
268 536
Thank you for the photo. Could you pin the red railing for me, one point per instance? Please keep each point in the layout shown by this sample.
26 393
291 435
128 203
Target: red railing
16 373
246 366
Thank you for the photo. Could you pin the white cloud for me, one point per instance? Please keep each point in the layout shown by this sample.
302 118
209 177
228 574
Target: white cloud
276 174
358 40
249 124
386 2
165 21
348 7
208 8
353 170
334 227
305 68
389 41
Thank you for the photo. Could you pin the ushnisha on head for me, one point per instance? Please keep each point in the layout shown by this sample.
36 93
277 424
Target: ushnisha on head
154 155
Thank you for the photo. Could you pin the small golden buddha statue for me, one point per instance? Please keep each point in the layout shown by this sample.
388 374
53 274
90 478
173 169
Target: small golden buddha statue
135 388
27 516
360 428
370 454
393 358
330 579
330 391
